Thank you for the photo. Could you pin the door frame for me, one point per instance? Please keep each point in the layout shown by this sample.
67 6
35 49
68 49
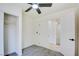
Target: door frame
19 20
76 35
2 34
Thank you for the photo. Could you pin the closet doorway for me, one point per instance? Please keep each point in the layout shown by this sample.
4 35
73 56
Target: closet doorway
10 34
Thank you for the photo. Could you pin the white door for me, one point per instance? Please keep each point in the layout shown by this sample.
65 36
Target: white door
67 44
1 33
41 32
36 32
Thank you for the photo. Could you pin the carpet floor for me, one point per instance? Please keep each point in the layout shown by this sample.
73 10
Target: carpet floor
39 51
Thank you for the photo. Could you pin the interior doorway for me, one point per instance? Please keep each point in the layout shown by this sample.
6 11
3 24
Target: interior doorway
10 34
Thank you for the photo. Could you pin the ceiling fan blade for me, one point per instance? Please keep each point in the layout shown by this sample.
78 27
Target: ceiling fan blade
38 10
45 4
28 9
30 3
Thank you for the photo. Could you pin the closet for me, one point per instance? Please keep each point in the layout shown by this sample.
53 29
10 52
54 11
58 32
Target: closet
10 34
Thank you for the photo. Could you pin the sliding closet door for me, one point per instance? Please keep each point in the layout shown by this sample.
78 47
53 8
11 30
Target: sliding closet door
1 33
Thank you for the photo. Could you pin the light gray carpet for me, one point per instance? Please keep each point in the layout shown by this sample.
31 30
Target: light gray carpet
39 51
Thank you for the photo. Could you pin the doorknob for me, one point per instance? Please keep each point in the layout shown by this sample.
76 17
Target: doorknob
72 39
36 32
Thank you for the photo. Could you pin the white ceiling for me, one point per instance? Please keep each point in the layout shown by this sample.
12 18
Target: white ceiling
55 7
45 10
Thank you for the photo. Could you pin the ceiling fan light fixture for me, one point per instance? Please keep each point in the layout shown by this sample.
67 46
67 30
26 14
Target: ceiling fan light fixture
34 6
37 5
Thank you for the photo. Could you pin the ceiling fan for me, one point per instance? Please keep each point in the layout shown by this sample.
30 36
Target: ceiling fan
37 5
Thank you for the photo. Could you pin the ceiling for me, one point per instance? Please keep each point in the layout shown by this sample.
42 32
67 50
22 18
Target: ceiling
55 7
45 10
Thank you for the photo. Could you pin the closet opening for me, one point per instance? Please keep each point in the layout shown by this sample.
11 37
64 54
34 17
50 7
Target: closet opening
10 34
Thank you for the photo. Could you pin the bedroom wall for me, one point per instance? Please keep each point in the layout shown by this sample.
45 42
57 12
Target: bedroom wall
27 31
1 34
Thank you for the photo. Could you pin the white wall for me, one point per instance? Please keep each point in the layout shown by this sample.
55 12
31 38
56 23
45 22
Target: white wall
1 34
27 31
